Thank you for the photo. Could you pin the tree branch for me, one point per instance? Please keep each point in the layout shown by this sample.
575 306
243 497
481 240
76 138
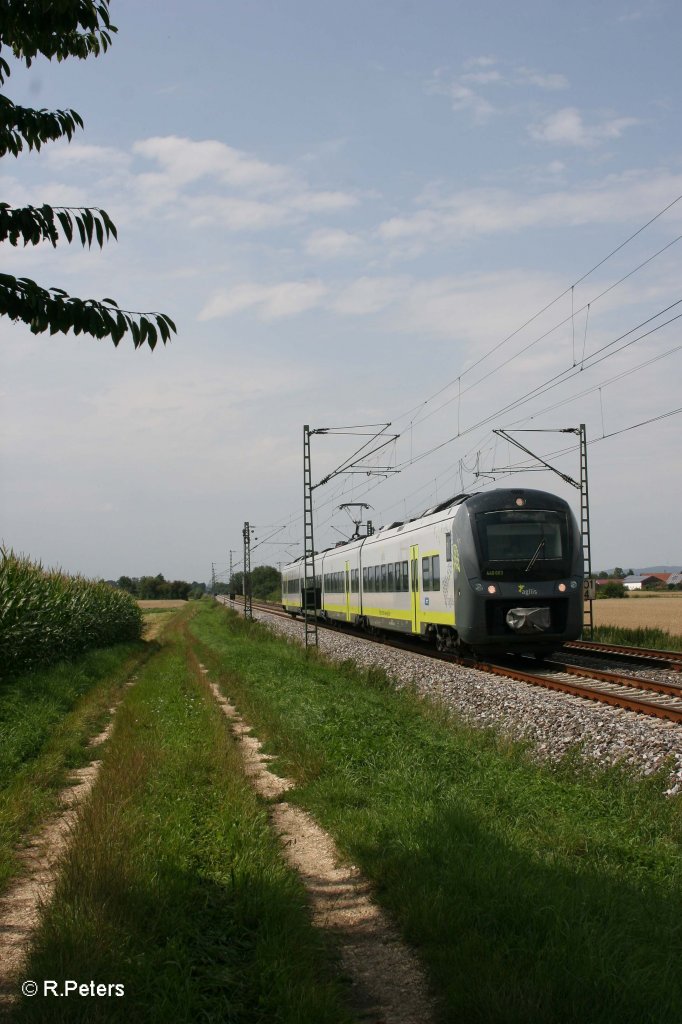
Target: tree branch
55 311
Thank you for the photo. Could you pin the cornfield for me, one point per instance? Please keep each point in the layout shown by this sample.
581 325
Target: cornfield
46 615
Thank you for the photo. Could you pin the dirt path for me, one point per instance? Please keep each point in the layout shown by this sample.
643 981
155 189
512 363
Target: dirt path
22 903
388 985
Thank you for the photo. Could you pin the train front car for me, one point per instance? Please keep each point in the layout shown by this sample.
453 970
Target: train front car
518 564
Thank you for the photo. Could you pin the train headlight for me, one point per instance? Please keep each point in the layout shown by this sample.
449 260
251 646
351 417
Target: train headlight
562 588
520 501
492 589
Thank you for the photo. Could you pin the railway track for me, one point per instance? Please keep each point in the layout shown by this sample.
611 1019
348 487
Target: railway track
661 659
645 696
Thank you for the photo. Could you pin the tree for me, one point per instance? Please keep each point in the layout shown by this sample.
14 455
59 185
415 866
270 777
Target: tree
618 573
127 584
266 581
613 589
58 29
236 584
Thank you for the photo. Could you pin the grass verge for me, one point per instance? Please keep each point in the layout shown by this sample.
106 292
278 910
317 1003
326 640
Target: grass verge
534 893
174 886
644 636
46 719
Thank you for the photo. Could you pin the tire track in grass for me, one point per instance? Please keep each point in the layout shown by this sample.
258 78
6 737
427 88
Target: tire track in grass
22 904
388 985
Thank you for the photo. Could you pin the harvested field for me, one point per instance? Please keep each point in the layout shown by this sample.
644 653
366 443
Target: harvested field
162 603
648 610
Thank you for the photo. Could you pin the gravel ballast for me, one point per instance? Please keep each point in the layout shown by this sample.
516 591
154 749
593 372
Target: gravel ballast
554 723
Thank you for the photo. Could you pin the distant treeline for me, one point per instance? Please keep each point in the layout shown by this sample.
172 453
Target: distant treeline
265 583
150 588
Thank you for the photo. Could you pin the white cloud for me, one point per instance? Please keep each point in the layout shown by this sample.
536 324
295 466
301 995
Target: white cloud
475 308
322 202
527 76
482 77
487 211
566 127
186 160
480 62
272 302
486 72
235 213
462 97
330 243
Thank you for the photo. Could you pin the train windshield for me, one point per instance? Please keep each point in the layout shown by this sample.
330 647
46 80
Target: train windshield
526 543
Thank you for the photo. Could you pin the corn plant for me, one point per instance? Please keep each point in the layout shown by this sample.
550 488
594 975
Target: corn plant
47 615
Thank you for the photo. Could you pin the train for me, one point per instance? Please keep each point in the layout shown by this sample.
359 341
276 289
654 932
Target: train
491 572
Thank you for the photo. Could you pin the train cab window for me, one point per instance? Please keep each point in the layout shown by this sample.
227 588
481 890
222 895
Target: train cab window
406 578
383 579
426 574
435 572
390 585
448 547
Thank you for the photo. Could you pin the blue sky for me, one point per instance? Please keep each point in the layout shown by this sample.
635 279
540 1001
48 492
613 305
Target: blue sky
345 208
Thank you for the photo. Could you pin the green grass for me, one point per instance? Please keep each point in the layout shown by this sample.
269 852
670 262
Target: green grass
46 719
533 893
174 885
644 636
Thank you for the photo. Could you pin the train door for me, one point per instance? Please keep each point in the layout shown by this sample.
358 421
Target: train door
414 586
347 576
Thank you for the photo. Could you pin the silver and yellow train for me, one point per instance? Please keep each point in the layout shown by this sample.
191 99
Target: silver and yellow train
498 570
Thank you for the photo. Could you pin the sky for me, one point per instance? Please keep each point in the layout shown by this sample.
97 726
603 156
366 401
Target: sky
449 217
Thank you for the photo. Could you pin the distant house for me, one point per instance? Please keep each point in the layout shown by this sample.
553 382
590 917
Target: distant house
637 582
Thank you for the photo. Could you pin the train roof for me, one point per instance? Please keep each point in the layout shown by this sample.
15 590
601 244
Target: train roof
480 501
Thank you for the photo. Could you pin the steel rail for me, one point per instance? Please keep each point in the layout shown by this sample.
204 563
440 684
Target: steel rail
671 659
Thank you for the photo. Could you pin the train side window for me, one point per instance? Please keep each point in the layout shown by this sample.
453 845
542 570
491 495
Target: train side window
426 574
383 578
370 580
448 547
435 572
390 586
406 578
364 577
